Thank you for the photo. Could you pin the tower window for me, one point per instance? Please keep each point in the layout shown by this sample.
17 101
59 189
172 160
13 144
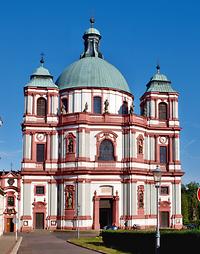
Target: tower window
125 108
163 154
40 152
106 150
162 111
41 107
97 104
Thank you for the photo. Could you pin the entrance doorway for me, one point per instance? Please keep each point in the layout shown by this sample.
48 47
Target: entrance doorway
9 225
164 216
105 212
39 217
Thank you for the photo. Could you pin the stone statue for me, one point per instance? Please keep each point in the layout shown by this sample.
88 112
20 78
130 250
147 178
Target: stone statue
106 104
86 107
131 109
63 110
69 200
70 146
145 111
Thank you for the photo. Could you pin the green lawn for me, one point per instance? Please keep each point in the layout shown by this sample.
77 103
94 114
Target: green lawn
95 243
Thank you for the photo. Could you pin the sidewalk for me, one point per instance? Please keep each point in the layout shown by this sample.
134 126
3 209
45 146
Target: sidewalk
8 244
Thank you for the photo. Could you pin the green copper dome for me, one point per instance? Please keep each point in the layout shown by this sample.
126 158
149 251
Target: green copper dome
41 77
92 72
159 83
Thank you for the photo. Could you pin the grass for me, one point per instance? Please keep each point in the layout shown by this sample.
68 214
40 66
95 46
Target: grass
95 243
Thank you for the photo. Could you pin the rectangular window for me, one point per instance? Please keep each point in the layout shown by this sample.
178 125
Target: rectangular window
11 201
163 154
97 105
164 190
40 152
39 190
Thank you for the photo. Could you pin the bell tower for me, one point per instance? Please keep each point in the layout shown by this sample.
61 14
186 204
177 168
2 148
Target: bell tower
39 121
159 105
160 101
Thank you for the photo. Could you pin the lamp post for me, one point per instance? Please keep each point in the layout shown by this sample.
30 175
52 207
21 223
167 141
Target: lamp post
157 179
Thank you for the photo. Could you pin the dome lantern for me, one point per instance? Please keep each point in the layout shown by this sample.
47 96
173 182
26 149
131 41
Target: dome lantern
91 41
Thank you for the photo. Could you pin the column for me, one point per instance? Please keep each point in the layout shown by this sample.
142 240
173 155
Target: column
96 200
116 210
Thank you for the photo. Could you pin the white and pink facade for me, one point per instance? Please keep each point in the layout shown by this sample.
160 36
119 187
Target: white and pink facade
88 158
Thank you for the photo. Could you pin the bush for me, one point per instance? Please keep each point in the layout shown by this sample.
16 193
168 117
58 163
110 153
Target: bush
143 242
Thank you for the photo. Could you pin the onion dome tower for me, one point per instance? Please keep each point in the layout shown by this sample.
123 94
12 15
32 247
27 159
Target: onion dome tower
160 100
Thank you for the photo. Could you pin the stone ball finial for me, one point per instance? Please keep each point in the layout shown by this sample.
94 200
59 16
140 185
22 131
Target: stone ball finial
92 21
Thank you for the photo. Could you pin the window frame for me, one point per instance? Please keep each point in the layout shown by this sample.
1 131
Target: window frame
8 200
44 152
42 111
39 194
125 108
100 106
162 114
161 155
100 158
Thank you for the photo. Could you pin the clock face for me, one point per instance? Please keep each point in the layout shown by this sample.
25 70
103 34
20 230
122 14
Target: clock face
163 140
40 136
11 181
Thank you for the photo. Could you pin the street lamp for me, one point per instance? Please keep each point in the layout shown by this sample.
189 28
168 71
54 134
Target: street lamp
157 179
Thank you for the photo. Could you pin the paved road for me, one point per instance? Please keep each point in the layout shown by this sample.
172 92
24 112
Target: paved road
43 242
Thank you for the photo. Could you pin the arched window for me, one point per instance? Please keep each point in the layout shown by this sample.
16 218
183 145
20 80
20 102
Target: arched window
97 105
162 111
41 107
106 151
125 108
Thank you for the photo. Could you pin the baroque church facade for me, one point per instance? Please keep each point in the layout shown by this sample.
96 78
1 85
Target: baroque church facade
88 158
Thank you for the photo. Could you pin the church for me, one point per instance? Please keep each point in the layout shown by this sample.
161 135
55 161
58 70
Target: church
88 157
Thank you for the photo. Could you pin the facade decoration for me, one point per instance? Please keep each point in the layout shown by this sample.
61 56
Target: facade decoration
88 157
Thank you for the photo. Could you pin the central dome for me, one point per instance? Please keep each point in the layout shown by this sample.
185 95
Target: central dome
92 72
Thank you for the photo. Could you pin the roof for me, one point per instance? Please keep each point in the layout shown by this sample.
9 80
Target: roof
159 83
41 78
92 72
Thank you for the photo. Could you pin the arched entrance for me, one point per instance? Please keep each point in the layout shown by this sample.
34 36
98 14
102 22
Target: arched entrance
105 210
39 215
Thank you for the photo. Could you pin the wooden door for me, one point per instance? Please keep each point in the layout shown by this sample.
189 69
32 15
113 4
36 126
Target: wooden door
9 225
164 219
39 220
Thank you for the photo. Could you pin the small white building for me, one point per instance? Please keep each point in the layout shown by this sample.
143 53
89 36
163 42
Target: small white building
1 211
10 183
88 158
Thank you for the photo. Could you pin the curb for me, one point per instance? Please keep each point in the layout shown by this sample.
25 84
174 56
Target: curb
16 246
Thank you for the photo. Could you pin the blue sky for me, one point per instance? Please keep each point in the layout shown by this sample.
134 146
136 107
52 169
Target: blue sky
135 36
